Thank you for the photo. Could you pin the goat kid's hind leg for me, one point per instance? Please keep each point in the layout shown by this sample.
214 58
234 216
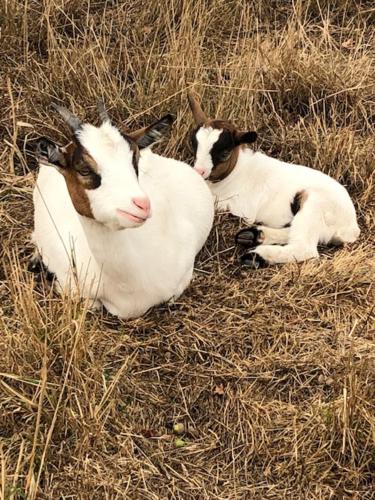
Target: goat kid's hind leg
265 255
253 236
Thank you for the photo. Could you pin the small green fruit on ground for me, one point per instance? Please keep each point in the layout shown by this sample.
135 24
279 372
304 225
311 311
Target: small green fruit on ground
178 428
180 443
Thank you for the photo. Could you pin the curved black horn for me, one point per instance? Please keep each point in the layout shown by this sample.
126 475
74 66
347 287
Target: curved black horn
73 121
104 116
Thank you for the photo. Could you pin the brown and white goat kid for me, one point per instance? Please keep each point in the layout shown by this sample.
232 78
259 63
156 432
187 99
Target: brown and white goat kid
115 224
295 207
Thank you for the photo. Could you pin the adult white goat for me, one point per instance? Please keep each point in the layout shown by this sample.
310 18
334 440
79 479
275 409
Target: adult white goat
295 207
116 225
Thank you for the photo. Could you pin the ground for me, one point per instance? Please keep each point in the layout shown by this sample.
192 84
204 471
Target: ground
270 372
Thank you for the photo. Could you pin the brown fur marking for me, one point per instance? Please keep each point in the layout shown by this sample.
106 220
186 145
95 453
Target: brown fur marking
298 201
222 170
77 160
78 194
220 124
89 161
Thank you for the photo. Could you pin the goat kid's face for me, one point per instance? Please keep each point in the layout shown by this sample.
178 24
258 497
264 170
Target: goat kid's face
215 144
100 167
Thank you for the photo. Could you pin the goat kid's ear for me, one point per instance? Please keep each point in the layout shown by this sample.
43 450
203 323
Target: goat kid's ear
245 137
154 133
49 153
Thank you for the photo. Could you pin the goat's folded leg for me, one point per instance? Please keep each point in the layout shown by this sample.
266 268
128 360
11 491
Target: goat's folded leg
255 235
264 255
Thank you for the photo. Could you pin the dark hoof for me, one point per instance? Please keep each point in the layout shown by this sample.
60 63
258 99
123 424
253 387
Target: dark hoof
252 260
37 266
49 276
249 237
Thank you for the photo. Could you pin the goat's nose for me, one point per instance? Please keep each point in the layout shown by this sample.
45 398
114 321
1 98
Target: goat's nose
143 203
199 170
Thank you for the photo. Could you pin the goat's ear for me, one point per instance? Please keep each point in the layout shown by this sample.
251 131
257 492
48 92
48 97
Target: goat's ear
154 133
245 137
49 153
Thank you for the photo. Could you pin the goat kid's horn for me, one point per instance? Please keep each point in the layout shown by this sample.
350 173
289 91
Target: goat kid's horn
73 121
198 113
104 116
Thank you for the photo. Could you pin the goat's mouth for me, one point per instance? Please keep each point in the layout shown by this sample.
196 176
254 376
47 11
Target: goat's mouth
134 218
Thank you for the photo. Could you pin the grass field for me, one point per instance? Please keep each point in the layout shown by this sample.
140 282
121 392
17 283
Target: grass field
272 373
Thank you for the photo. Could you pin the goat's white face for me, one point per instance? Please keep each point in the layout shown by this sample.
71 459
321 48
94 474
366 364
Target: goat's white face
204 141
213 143
118 202
100 167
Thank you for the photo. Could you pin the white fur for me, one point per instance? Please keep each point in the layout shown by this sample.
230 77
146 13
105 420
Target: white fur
206 138
130 270
261 189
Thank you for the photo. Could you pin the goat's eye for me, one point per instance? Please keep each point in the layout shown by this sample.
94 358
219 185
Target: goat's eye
85 171
225 154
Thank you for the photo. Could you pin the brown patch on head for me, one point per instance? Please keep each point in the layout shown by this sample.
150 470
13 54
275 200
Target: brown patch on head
225 150
298 201
78 194
80 173
220 125
240 137
224 168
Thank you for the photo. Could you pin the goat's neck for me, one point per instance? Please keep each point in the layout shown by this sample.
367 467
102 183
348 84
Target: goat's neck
241 170
107 246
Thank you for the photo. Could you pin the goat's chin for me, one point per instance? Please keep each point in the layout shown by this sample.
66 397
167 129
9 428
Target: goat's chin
131 225
119 225
116 223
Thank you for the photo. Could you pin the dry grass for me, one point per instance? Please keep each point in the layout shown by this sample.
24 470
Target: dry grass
272 372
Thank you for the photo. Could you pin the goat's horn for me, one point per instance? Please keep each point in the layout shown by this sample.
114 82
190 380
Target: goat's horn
198 113
104 116
73 121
